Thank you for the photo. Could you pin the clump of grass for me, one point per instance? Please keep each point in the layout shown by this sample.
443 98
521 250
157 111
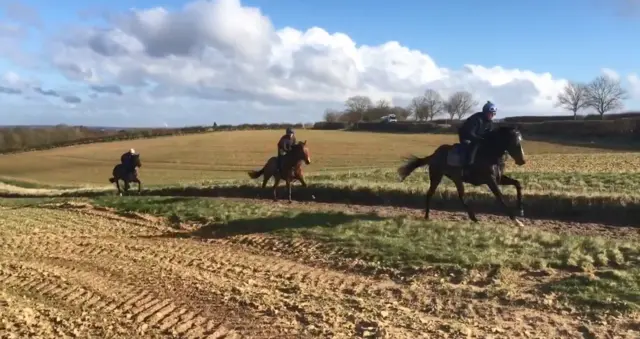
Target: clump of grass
612 290
190 209
408 242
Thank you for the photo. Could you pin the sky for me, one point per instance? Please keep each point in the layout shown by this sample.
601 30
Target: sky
175 63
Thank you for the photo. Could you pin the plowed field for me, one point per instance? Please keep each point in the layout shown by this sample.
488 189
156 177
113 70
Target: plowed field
77 271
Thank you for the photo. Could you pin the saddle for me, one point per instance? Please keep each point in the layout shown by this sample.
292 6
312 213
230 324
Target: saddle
456 155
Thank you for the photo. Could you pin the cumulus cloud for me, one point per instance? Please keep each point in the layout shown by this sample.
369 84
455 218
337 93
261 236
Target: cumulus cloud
634 81
225 61
610 73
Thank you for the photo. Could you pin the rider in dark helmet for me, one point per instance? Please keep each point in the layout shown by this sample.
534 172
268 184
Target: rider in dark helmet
474 128
284 145
126 159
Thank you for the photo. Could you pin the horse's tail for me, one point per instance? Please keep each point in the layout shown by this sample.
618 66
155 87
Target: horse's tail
256 174
411 164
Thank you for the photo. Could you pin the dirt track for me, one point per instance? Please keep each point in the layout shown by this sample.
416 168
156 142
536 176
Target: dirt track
81 272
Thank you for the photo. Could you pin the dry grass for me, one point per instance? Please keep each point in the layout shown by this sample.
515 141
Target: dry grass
227 155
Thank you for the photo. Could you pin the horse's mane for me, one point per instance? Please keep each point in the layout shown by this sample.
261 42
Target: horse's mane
500 131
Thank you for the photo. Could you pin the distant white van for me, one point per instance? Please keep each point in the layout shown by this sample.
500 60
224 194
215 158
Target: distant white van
389 118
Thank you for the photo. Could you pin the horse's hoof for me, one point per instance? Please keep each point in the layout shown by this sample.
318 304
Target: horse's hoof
518 223
290 202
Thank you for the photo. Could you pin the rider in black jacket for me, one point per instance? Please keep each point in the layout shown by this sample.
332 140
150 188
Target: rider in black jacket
127 161
474 128
284 146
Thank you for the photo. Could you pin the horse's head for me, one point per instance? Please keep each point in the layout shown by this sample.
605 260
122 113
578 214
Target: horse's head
300 151
136 160
509 139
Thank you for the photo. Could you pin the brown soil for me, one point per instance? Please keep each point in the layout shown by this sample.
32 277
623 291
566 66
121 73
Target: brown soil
83 272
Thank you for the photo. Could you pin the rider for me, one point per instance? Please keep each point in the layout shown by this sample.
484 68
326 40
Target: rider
284 145
474 128
127 161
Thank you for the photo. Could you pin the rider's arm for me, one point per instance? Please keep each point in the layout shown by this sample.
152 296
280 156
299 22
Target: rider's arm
474 127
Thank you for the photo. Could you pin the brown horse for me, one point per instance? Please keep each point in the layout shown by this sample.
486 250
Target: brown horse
291 168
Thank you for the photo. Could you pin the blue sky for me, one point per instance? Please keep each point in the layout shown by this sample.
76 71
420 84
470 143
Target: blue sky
570 39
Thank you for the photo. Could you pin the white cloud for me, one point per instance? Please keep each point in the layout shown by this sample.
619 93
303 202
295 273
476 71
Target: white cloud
610 73
634 81
219 60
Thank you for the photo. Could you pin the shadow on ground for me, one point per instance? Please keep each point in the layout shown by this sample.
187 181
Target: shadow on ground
611 210
271 224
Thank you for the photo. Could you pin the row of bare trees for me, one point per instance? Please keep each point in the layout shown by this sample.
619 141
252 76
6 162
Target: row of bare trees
432 105
424 107
603 94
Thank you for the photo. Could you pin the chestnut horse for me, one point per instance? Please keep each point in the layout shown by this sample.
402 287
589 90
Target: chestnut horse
291 168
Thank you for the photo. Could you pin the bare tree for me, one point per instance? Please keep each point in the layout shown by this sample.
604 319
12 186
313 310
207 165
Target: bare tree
573 98
417 107
605 94
331 115
384 104
375 113
459 104
357 106
433 104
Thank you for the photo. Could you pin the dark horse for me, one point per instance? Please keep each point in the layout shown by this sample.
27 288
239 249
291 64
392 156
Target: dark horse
291 168
120 172
487 169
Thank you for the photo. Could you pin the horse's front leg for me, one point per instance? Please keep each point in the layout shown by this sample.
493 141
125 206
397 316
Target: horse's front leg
302 182
508 181
276 182
139 185
493 186
118 186
288 181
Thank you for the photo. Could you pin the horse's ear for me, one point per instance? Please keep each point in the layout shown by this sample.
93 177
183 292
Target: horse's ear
304 142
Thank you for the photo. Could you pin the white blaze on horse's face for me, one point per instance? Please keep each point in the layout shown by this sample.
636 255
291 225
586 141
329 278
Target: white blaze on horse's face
521 155
520 143
307 156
